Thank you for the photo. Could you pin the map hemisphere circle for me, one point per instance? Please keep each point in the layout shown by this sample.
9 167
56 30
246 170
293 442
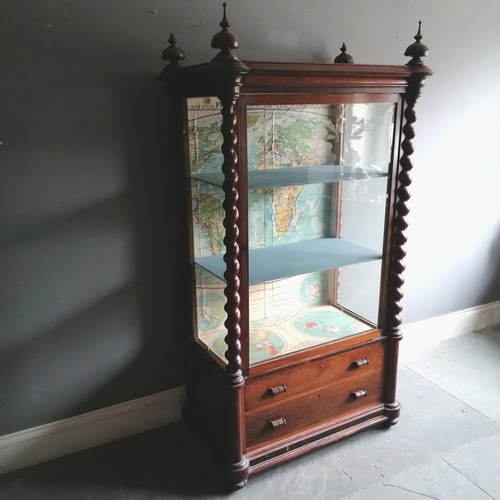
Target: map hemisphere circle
325 324
264 344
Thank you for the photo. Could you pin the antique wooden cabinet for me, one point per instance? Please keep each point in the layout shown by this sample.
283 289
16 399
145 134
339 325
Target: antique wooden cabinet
297 180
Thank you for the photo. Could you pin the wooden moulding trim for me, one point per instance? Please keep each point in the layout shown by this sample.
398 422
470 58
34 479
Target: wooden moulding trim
262 458
284 363
319 98
265 68
344 92
366 70
313 354
332 83
272 76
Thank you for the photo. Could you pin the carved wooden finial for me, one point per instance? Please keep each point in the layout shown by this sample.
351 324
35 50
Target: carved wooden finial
343 57
417 49
224 24
225 40
172 53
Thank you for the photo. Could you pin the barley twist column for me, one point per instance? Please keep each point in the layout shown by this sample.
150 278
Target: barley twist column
238 468
398 253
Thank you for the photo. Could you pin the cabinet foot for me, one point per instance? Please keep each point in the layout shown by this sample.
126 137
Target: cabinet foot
240 485
237 475
392 411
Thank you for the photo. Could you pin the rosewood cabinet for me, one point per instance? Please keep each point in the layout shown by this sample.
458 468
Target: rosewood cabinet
297 180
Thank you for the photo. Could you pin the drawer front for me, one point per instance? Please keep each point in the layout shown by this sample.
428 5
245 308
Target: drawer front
313 408
289 384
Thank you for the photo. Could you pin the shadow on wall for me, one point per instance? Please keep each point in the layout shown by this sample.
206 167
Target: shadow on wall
92 303
88 318
154 209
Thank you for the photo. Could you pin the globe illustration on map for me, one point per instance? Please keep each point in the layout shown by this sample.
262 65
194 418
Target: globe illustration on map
313 289
264 344
326 324
211 313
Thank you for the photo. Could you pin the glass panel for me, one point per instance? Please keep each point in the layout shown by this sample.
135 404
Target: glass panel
367 132
359 289
204 146
204 135
316 214
210 314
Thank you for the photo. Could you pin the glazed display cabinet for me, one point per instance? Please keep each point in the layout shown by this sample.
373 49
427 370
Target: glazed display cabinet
296 179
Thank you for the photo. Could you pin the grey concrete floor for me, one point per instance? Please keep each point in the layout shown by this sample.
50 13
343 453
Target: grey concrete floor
445 446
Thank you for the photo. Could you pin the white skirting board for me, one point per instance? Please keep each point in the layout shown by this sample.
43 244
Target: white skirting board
428 332
46 442
56 439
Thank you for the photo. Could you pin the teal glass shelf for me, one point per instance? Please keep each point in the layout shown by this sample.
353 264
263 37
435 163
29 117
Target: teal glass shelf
293 176
292 259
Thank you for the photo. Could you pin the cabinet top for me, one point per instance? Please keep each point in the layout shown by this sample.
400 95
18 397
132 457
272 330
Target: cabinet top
282 77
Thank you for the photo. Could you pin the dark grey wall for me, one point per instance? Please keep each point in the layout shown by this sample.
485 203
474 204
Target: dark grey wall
90 236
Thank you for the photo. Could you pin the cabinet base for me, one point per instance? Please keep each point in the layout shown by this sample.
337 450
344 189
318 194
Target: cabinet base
286 449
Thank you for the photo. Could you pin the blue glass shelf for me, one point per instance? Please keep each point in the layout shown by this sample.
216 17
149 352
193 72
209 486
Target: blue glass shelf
292 259
319 174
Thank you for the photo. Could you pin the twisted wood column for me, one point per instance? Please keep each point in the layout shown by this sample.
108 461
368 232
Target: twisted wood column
398 252
238 467
231 217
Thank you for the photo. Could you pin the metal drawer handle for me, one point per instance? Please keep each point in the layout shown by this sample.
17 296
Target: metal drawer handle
278 422
277 389
362 393
360 362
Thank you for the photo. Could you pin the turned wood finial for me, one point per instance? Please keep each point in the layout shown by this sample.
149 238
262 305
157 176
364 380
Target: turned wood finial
417 49
225 40
172 53
344 57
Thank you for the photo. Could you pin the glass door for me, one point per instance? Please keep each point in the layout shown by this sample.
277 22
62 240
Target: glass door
317 179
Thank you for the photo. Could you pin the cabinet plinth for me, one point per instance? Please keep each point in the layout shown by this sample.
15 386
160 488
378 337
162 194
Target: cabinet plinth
297 181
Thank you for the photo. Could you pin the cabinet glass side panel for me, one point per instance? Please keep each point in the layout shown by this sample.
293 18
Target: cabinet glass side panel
363 205
204 120
210 314
204 141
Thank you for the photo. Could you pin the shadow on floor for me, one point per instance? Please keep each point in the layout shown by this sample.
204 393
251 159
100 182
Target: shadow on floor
164 463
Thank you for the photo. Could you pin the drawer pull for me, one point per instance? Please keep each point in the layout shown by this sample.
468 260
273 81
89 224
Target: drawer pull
360 362
277 389
278 422
362 393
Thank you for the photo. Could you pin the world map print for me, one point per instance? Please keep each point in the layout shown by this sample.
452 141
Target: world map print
285 137
289 314
263 345
325 323
282 137
285 316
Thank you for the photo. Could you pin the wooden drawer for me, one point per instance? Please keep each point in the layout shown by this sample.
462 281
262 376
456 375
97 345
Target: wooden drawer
288 384
315 407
